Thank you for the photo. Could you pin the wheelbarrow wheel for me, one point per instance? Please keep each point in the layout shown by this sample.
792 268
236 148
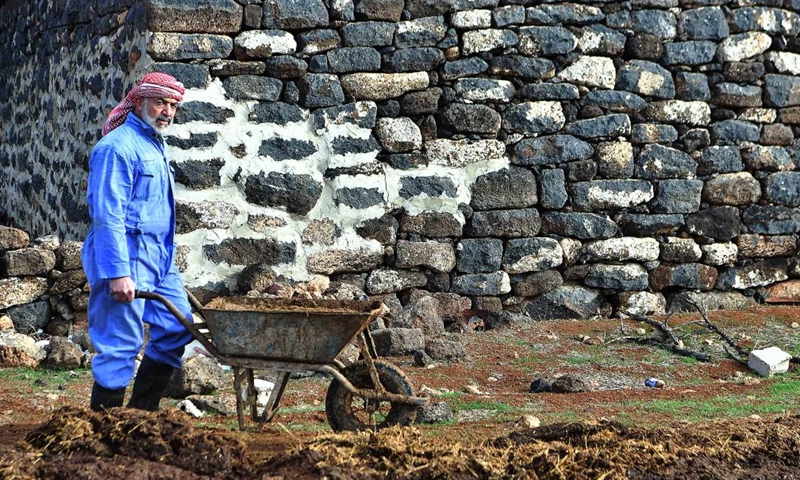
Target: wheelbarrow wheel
349 412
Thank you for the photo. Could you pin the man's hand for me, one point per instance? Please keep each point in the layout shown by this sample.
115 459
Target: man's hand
122 289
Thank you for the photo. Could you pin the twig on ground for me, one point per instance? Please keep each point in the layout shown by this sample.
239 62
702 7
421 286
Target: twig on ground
707 323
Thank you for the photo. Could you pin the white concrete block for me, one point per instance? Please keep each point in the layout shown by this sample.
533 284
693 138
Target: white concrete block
769 361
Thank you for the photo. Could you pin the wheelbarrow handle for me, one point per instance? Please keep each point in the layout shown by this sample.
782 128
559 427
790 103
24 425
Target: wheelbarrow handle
169 305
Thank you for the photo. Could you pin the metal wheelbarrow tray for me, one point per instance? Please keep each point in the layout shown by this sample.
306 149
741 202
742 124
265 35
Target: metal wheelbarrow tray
289 335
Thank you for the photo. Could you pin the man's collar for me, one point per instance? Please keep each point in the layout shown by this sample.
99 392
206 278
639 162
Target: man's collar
134 121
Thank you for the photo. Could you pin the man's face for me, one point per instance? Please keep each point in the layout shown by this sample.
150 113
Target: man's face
158 112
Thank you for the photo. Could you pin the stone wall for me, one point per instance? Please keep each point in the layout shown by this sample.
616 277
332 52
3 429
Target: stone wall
557 159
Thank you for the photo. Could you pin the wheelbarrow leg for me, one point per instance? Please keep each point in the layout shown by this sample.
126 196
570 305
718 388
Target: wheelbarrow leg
275 396
252 395
237 388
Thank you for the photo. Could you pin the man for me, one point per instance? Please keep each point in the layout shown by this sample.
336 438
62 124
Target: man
130 247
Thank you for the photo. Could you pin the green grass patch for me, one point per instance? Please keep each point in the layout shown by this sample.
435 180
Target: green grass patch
302 409
481 405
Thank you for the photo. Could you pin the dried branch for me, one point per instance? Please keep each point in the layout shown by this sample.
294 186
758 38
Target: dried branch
684 352
677 345
707 323
662 326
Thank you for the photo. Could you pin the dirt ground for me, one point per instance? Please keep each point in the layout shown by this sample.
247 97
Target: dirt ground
712 420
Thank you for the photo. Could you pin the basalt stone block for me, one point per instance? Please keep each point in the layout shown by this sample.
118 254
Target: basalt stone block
390 10
581 171
368 34
545 41
438 256
771 20
754 273
733 95
431 186
431 225
486 40
251 87
783 188
551 150
695 139
202 112
413 59
657 162
459 153
360 114
680 250
722 253
32 317
298 194
590 71
610 194
566 302
695 52
420 32
606 126
406 161
196 16
504 223
192 76
659 23
509 15
518 66
641 224
523 255
743 72
753 245
277 113
195 140
553 189
193 216
68 256
21 290
471 19
424 102
294 15
646 78
398 134
533 117
479 255
621 249
511 187
615 101
568 13
353 59
782 90
550 91
285 67
383 86
255 44
630 277
536 283
643 133
227 68
692 86
734 132
495 283
644 46
249 251
686 275
279 148
678 196
742 46
320 90
463 67
678 111
706 23
179 46
485 89
777 134
720 159
27 262
471 118
771 220
738 188
614 159
720 223
198 174
322 40
359 197
601 40
330 261
384 280
584 226
687 301
383 229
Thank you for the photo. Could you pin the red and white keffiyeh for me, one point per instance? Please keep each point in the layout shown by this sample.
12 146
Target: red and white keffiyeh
152 85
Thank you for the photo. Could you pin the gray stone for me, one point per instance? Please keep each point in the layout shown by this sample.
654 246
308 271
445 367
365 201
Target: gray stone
258 277
391 342
353 59
421 314
783 188
584 226
285 67
320 231
550 91
706 23
551 150
29 318
732 189
646 78
642 303
695 52
471 118
570 384
485 89
678 196
437 256
606 126
252 87
615 101
680 250
246 251
390 10
459 153
207 16
615 159
553 188
294 15
27 262
566 302
600 40
280 149
13 238
383 229
743 72
389 281
659 23
767 158
318 41
640 224
434 412
68 281
686 301
431 224
567 13
771 220
686 275
178 46
413 59
191 76
754 273
463 67
771 20
590 71
533 117
62 355
734 132
398 134
754 245
509 15
448 348
531 255
296 193
486 40
621 249
421 103
320 90
678 111
360 114
479 255
610 194
519 66
226 68
278 113
692 86
658 162
495 283
524 222
725 253
198 375
420 32
536 283
628 277
511 187
721 223
190 216
331 260
68 255
743 46
195 140
719 159
358 197
430 186
198 174
545 41
383 86
695 139
733 95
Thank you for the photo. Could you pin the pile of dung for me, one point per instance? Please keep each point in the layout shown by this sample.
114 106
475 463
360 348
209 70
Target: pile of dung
122 444
747 449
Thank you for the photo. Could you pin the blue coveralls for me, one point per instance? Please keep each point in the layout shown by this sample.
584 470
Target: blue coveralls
132 206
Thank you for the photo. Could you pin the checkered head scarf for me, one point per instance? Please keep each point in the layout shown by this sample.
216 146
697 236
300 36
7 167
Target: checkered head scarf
152 85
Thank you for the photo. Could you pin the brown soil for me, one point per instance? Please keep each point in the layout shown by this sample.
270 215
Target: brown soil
609 432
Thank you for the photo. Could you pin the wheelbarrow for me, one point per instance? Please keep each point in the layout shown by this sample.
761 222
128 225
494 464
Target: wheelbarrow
292 335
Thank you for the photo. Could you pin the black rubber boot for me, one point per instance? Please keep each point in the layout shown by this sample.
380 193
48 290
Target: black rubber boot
103 398
151 381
